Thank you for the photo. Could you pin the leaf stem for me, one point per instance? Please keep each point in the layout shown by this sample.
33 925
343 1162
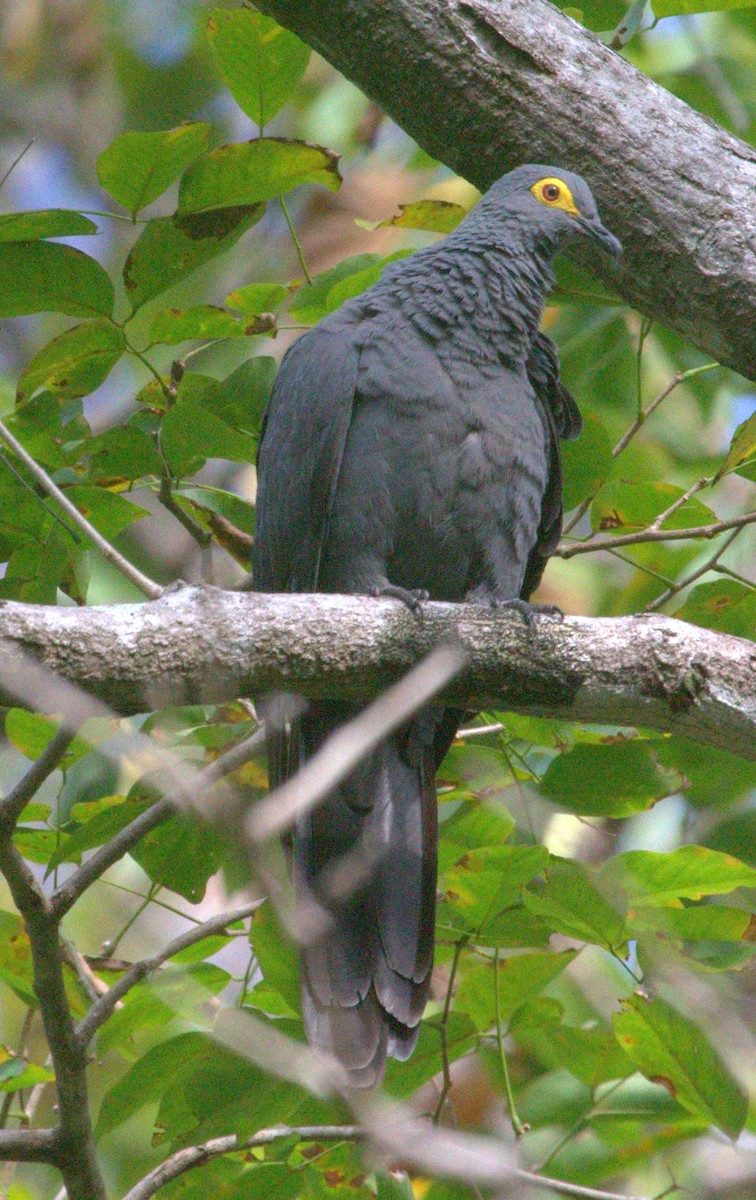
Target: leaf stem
517 1125
446 1087
295 239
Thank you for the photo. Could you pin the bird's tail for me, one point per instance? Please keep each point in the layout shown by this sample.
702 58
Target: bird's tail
368 855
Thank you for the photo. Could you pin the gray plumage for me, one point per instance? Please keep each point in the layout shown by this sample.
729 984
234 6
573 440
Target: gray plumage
411 441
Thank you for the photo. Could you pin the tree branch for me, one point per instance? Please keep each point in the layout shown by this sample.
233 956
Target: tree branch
105 1005
72 1147
150 589
28 1145
193 786
203 645
522 82
17 799
196 1156
655 535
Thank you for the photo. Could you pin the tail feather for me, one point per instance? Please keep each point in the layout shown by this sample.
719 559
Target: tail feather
368 855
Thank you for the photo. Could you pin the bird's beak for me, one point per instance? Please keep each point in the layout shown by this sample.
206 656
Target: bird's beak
592 228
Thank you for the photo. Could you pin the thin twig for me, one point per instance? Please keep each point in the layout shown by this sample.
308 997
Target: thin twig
698 486
50 758
710 564
201 536
195 1156
192 793
630 433
7 174
655 535
150 589
104 1007
447 1080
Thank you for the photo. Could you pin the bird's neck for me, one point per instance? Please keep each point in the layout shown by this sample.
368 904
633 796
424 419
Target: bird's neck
483 295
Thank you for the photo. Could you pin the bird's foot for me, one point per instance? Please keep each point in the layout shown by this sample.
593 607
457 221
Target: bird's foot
530 613
414 599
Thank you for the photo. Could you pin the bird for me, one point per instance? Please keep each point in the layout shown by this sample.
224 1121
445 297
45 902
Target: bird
410 449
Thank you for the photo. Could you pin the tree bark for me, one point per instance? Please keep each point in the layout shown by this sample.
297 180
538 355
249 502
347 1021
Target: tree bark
484 85
203 645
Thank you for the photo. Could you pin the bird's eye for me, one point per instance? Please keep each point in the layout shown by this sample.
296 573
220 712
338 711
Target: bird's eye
553 192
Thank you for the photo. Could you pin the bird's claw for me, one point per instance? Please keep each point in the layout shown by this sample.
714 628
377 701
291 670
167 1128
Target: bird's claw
414 599
530 613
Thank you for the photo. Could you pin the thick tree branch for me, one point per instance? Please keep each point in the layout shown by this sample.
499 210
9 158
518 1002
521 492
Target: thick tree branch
522 82
71 1147
206 645
28 1145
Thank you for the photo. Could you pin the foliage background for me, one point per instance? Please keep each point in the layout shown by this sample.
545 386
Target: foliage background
77 74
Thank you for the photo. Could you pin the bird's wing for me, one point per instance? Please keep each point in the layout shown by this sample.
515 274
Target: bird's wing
563 421
543 372
299 458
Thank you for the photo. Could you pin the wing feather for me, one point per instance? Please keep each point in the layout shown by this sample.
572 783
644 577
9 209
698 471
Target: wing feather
299 459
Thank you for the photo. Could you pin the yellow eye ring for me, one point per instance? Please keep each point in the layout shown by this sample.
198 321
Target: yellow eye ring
554 193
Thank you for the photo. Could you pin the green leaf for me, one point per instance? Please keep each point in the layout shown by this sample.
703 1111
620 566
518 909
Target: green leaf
126 453
16 1073
190 434
521 977
676 8
359 282
149 1077
277 956
481 883
138 167
240 399
260 62
689 873
30 733
208 499
574 905
245 173
170 248
75 363
625 507
181 855
257 298
47 277
107 511
309 305
724 604
613 780
590 1054
435 216
513 928
16 969
586 462
742 446
473 825
698 923
671 1050
711 776
173 325
44 223
110 815
404 1078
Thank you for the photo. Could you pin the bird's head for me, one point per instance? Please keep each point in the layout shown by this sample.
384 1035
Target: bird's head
557 203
